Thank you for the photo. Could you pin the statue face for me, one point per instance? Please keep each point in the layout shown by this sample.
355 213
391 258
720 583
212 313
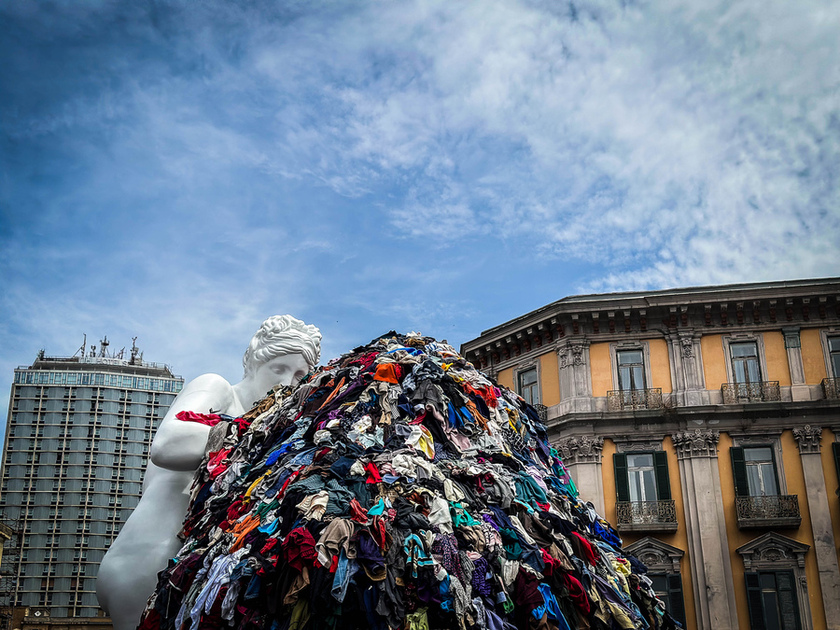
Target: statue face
286 369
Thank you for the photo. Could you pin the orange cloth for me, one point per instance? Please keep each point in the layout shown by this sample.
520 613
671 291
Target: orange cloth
388 372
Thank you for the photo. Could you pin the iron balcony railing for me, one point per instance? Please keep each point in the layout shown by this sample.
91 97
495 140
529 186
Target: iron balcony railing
831 388
760 391
621 399
780 510
646 515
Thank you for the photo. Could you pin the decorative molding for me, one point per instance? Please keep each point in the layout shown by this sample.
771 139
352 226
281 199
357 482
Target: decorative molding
700 443
625 444
808 438
657 555
772 552
687 344
581 449
752 439
572 352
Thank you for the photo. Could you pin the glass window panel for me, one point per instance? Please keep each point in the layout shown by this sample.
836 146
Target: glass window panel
629 356
758 454
745 349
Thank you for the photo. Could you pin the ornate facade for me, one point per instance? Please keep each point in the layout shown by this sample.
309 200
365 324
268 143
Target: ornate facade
704 423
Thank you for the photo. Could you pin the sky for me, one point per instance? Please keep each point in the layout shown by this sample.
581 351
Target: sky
179 171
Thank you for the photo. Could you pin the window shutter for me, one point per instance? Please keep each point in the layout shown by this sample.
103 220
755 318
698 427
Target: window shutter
835 447
739 471
754 601
663 483
788 609
622 484
675 595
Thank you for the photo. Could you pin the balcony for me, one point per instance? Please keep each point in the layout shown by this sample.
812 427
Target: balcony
620 400
761 391
831 388
770 511
646 516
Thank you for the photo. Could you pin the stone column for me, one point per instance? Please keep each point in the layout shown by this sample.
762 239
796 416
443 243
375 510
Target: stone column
798 389
687 379
711 570
825 546
575 379
582 456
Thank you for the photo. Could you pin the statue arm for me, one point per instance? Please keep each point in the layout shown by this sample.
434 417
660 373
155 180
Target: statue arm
179 445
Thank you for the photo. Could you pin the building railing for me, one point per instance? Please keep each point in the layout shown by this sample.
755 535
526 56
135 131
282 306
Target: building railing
646 515
621 399
831 388
760 391
768 511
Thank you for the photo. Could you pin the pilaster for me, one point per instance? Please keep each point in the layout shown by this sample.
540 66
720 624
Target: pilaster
687 377
706 527
809 440
582 456
798 389
575 378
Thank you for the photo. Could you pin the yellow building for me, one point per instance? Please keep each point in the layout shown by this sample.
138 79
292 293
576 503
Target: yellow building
704 424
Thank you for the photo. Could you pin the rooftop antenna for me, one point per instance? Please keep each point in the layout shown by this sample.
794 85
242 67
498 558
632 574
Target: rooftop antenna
103 347
134 351
81 351
121 353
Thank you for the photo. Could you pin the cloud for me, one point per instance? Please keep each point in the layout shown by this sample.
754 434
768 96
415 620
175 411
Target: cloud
181 171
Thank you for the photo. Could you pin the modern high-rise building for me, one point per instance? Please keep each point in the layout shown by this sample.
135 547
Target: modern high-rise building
705 424
78 436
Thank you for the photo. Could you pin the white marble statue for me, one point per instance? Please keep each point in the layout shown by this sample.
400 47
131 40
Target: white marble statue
282 351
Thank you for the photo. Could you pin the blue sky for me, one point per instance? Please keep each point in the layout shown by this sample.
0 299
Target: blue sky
180 171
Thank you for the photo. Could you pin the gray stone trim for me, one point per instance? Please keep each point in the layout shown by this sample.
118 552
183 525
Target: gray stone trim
626 444
808 438
580 449
657 555
700 443
773 551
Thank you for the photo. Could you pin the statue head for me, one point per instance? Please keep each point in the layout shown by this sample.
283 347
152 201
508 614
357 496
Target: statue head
281 335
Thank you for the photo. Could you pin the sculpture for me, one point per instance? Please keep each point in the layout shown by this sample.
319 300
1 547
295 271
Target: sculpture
281 352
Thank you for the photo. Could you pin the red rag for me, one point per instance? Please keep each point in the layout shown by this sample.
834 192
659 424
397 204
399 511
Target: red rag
373 473
210 419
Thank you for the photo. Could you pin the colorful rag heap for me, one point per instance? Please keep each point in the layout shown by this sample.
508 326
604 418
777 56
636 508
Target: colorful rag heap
395 488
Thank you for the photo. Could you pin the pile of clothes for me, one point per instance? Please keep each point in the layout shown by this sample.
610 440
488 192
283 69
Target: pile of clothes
395 488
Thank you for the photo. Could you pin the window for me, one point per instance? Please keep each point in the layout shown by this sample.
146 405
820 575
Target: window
663 563
631 377
834 356
642 476
760 501
529 387
668 588
755 472
631 370
643 490
745 364
835 449
772 600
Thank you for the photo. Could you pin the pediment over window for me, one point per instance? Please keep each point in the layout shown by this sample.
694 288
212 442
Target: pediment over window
656 555
773 551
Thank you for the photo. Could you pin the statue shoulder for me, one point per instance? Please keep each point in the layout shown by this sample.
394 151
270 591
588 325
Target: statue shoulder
213 388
